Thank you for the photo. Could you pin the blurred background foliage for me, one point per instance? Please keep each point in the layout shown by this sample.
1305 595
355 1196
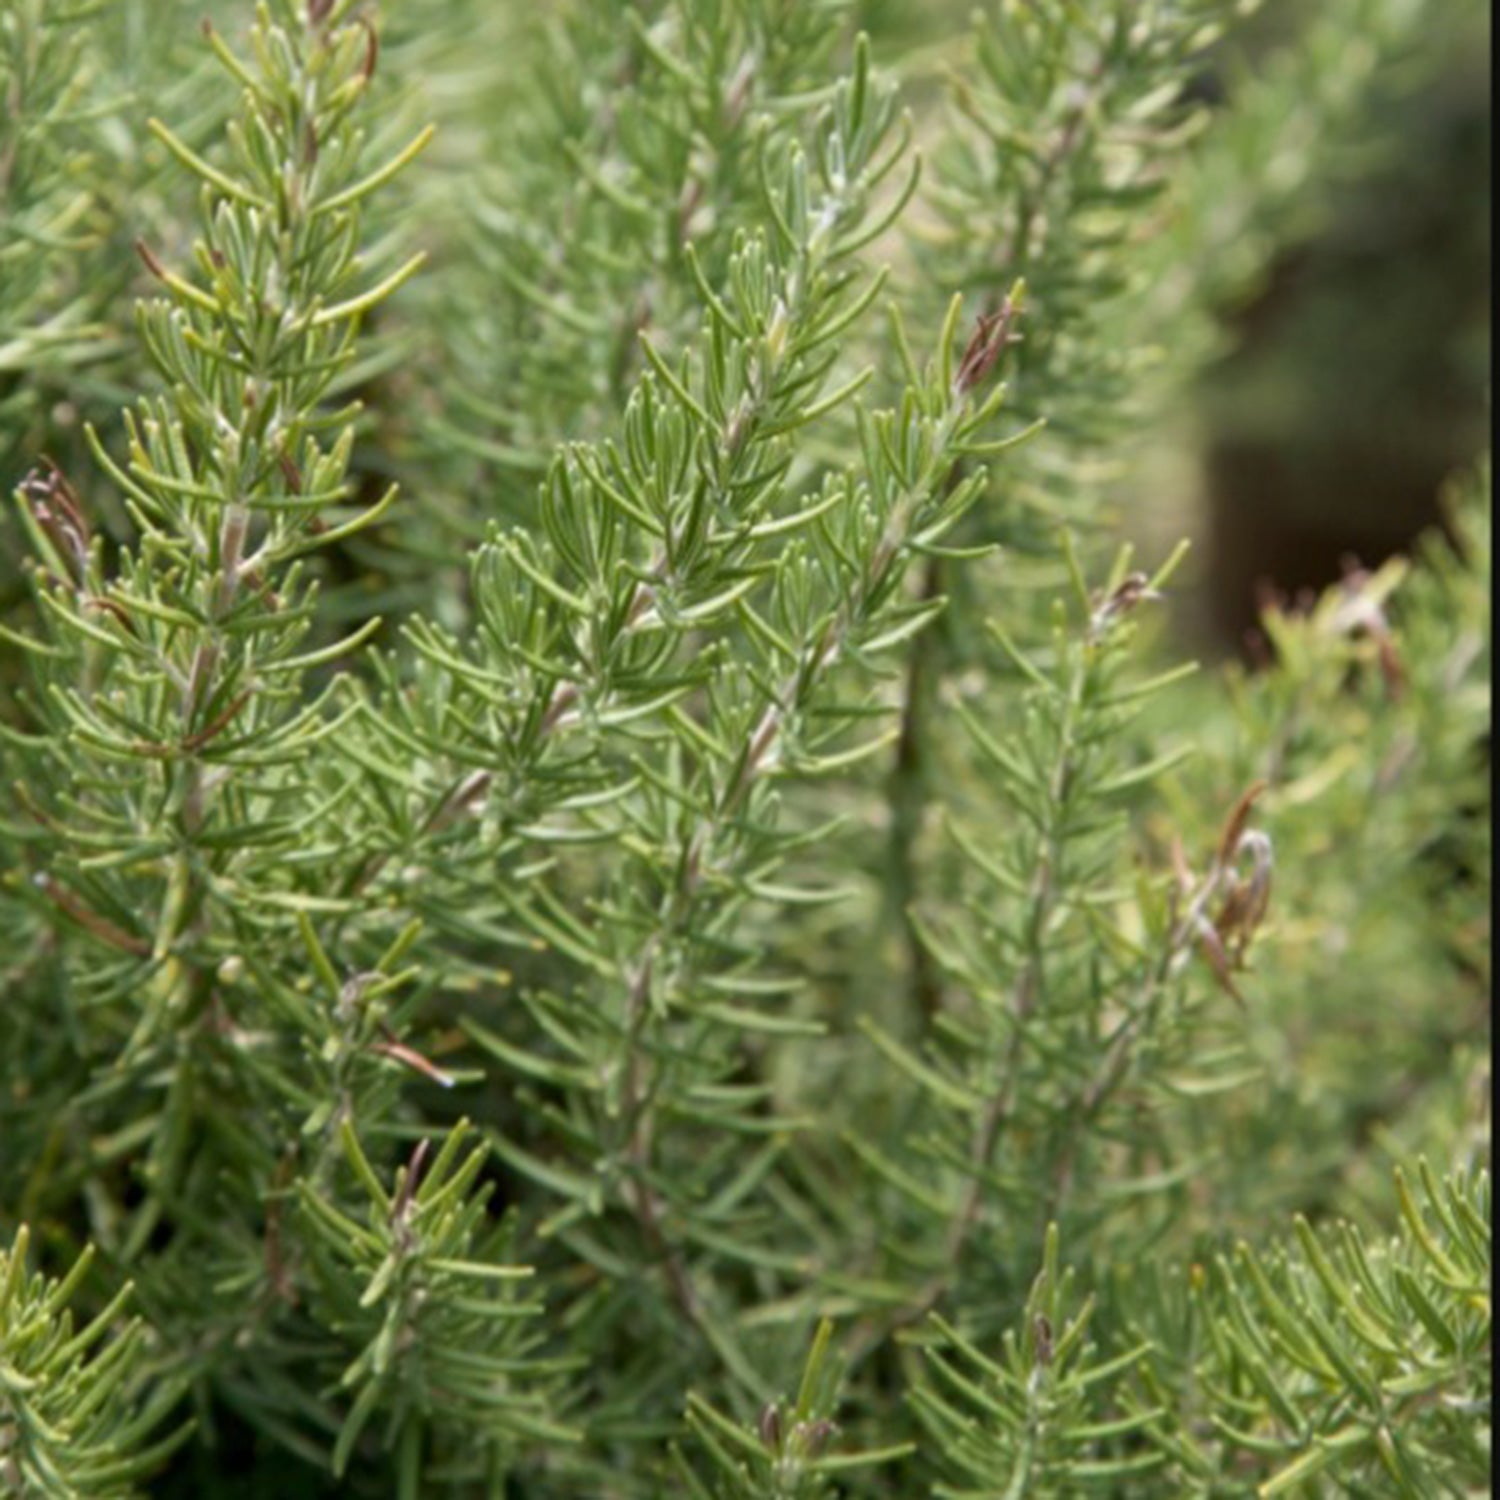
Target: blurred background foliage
1349 372
1346 362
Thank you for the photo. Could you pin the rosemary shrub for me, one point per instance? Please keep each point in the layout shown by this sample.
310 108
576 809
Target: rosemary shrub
609 886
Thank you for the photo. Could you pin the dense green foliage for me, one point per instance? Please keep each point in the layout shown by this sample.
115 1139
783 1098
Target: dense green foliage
608 885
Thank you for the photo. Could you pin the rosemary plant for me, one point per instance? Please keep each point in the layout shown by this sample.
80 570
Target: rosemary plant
698 944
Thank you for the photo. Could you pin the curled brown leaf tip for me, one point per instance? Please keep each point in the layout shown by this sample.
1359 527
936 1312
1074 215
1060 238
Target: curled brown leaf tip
1121 601
1234 825
1246 896
411 1058
1360 611
56 509
1042 1333
372 49
770 1428
148 258
993 332
409 1180
1226 907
